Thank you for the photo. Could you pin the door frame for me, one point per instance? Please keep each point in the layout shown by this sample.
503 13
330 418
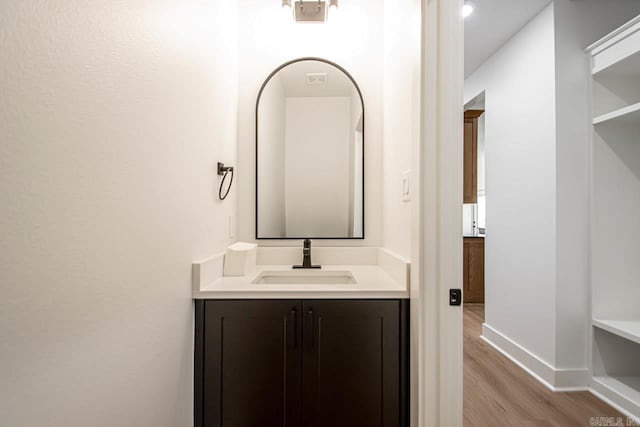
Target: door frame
437 351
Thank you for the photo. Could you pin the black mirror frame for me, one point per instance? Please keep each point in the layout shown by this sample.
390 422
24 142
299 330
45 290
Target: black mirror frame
264 84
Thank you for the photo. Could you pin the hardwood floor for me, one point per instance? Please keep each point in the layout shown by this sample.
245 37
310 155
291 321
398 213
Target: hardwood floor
497 392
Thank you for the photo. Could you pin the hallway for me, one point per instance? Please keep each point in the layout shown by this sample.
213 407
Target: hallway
497 392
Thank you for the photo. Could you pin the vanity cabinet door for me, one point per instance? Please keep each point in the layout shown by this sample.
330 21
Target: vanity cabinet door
353 363
473 270
249 354
470 188
470 161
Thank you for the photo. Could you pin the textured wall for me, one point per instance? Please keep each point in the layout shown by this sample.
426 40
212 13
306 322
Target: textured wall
112 116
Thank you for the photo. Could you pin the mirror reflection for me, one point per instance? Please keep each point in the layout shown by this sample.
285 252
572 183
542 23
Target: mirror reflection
310 153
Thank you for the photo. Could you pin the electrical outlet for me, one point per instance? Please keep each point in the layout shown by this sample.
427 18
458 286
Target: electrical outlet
406 186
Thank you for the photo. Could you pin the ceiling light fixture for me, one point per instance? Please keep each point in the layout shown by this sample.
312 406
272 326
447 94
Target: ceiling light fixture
467 10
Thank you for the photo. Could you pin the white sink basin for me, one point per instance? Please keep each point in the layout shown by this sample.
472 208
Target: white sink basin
305 277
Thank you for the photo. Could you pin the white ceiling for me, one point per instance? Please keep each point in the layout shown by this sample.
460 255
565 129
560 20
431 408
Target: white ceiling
491 24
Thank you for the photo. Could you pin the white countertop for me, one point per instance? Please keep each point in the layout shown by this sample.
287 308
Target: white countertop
378 273
372 281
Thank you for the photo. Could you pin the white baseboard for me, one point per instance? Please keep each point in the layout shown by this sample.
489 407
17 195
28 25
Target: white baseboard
552 378
614 405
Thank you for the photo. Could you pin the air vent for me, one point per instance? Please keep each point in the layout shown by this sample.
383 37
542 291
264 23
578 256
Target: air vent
317 78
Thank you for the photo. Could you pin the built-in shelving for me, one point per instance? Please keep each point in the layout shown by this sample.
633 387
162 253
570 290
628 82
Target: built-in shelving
623 391
626 114
615 62
628 329
618 51
629 67
615 202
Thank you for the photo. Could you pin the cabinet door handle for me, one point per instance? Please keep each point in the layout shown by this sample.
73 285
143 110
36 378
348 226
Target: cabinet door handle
309 326
293 328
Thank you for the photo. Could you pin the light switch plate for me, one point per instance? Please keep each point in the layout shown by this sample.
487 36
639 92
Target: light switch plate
406 186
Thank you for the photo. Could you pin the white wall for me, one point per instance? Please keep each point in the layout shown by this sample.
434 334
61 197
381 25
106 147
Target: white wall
271 152
481 205
353 40
356 194
481 144
401 122
520 163
577 25
112 118
317 166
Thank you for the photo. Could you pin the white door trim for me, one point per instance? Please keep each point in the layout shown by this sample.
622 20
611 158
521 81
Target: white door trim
439 250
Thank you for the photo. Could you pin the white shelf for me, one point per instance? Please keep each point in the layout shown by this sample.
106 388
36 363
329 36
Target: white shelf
623 391
625 68
626 114
616 47
628 329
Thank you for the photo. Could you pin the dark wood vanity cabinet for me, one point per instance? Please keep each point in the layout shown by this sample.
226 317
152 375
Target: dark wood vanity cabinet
473 270
312 363
247 364
352 363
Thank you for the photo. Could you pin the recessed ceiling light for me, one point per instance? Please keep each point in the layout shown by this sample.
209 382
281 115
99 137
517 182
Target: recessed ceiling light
467 10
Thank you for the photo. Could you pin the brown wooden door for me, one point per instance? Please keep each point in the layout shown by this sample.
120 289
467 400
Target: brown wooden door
252 364
470 192
352 364
473 270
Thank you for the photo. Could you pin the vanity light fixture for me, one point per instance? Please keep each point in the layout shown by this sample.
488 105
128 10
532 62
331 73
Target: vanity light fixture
467 9
310 10
286 7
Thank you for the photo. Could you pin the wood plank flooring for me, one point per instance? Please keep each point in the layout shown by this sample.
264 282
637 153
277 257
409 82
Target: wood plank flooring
497 392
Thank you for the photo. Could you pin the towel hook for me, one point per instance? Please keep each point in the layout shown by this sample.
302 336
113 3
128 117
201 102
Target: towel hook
224 171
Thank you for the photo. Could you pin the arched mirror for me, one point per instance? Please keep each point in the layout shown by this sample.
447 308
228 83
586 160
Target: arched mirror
310 153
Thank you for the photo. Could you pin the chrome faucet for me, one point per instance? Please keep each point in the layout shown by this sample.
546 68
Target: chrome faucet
306 256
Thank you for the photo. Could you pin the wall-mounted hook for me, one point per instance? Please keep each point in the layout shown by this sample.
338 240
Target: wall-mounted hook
224 171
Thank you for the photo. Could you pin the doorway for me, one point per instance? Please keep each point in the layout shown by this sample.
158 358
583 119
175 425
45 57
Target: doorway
474 203
527 355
